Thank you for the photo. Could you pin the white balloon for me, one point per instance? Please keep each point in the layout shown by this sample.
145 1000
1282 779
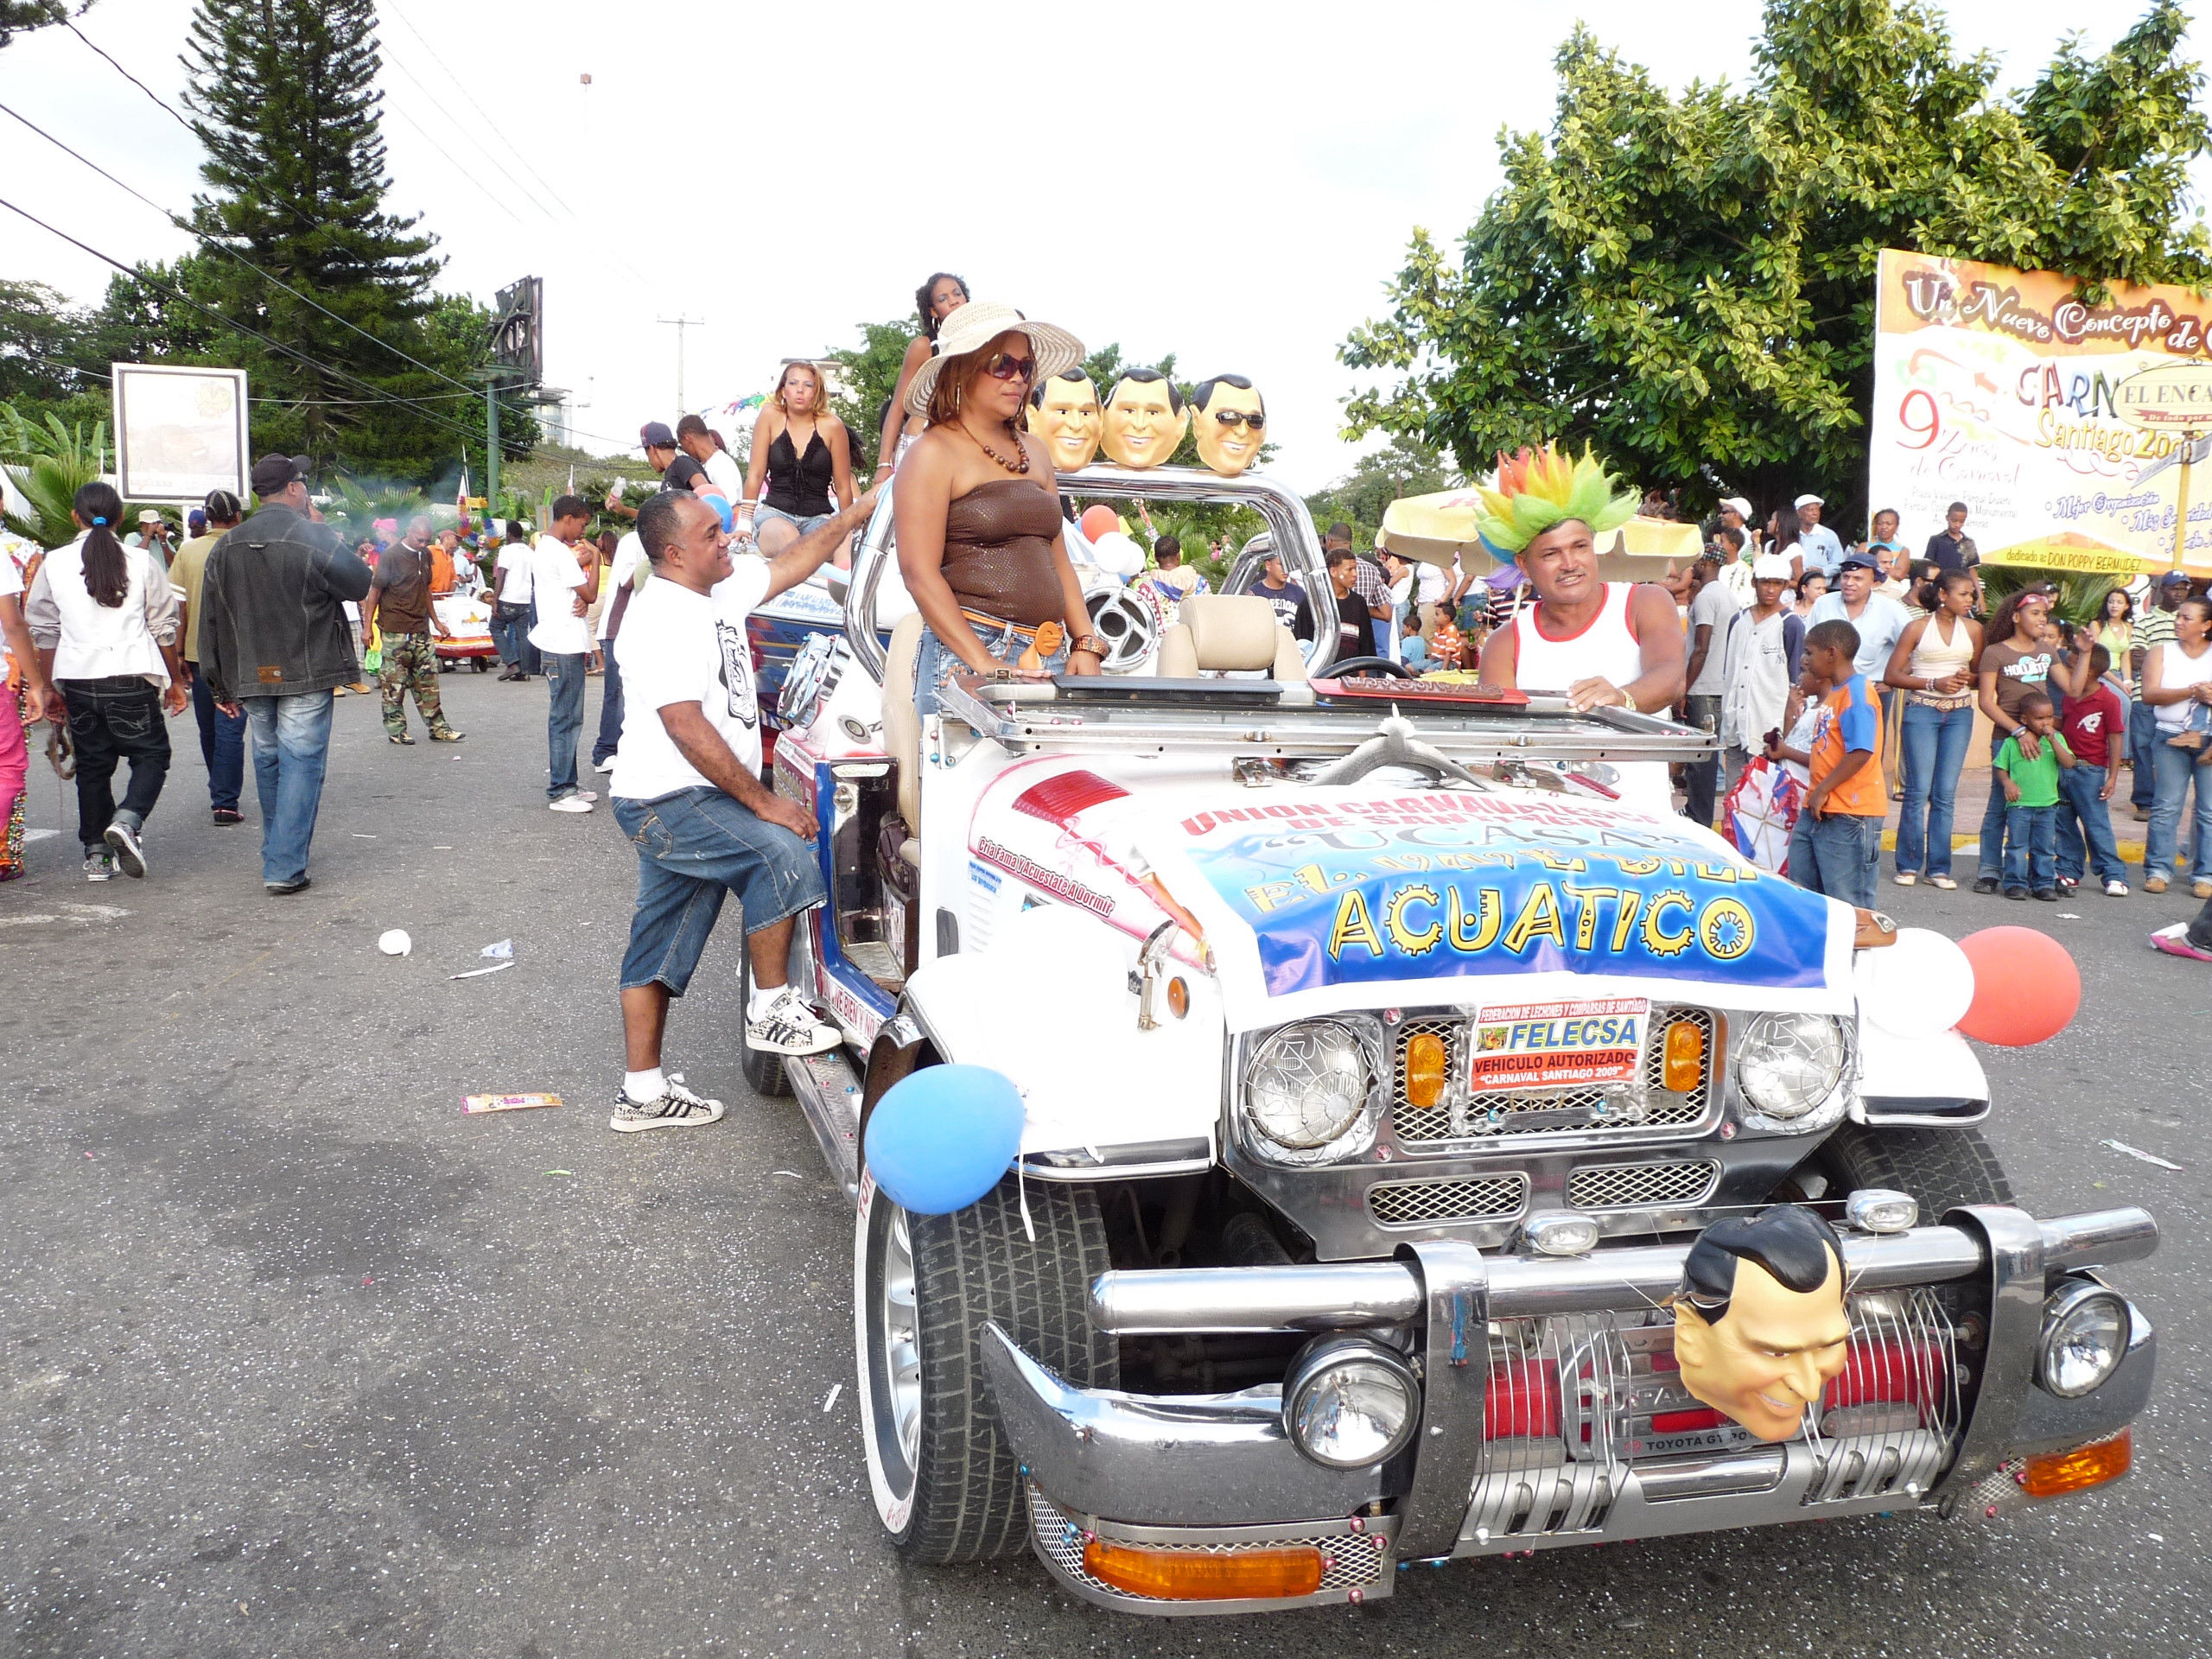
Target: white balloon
1919 986
1118 554
396 943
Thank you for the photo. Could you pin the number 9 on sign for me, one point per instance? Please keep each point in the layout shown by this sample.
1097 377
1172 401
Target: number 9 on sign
1927 429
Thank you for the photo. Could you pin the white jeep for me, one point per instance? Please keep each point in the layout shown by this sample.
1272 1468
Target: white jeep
1381 1059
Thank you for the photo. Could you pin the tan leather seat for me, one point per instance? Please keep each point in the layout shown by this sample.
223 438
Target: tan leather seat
902 726
1216 633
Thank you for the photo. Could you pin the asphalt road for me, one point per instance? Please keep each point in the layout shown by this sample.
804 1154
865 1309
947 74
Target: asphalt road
300 1360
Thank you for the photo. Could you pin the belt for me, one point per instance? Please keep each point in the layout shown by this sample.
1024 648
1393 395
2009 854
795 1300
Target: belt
1018 629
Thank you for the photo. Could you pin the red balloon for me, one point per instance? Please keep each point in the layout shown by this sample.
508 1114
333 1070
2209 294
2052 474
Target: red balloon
1099 521
2025 987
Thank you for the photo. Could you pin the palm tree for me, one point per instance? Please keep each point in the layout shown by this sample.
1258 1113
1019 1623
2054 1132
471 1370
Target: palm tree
46 466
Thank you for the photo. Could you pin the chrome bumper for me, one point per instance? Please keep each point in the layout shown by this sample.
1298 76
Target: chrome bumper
1218 1472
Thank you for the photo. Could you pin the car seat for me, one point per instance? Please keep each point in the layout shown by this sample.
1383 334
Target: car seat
902 726
1231 633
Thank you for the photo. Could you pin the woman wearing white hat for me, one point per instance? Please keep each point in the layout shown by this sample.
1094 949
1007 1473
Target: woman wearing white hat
978 513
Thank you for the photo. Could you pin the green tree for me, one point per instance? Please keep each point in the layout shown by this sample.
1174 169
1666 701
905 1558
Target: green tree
1407 467
868 375
21 16
45 365
284 98
1689 282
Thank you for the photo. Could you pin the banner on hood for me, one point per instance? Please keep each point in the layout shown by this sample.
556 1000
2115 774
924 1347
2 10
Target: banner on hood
1337 901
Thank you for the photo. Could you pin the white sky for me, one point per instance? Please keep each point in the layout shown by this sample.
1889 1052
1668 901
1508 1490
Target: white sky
1233 184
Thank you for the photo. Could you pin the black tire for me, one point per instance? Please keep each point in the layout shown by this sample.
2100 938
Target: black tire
763 1073
1941 1168
952 1491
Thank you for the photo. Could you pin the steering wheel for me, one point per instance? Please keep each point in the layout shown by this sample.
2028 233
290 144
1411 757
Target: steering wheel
1372 665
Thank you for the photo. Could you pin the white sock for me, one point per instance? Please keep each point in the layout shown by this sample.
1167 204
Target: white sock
644 1086
757 1004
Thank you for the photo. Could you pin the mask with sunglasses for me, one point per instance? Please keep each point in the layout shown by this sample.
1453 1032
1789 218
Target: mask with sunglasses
1230 427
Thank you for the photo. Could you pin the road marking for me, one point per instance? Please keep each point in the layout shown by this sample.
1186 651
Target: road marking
75 915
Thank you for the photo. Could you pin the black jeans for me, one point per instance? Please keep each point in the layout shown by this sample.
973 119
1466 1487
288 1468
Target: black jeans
112 720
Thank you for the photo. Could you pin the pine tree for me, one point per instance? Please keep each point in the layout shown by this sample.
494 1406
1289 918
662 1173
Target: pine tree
284 96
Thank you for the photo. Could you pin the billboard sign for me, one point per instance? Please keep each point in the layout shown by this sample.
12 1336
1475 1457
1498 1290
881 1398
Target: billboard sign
2010 391
518 332
179 432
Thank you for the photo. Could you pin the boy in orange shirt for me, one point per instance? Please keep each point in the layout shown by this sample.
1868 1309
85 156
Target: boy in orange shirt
1836 847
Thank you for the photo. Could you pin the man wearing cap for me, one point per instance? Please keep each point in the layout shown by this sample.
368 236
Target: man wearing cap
666 456
1816 542
274 641
1761 658
2156 628
1736 514
1732 545
402 608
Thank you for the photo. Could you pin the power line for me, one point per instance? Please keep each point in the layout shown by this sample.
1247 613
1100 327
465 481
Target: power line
457 166
22 356
489 127
275 345
480 150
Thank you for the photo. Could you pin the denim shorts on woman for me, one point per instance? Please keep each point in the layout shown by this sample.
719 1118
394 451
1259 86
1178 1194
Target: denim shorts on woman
693 847
936 663
812 522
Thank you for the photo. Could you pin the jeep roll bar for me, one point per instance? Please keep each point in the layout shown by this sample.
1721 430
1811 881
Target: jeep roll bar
1287 520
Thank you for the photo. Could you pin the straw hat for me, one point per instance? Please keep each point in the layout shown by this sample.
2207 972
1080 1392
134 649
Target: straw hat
974 325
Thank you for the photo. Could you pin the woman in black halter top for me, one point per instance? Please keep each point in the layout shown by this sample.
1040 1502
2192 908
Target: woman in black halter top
803 454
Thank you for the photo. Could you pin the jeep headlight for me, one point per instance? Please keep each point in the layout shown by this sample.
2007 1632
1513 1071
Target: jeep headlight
1789 1066
1307 1090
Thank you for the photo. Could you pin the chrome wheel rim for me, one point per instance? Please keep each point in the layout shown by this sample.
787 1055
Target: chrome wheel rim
895 1352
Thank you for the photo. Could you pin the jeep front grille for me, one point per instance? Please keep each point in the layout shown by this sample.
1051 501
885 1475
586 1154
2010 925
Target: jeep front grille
1486 1117
1639 1186
1424 1204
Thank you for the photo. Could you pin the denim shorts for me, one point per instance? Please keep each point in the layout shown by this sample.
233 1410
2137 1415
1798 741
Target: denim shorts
693 847
764 512
936 663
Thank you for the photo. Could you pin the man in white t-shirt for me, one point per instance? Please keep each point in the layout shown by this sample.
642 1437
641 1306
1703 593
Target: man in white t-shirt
693 438
1712 608
621 580
688 794
511 618
564 585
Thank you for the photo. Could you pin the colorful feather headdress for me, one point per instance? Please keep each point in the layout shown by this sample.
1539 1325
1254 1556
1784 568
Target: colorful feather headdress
1538 488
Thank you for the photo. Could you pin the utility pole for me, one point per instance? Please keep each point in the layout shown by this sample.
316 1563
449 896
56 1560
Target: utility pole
680 323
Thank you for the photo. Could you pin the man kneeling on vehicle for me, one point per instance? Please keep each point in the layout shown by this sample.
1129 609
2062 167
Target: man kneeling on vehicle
688 792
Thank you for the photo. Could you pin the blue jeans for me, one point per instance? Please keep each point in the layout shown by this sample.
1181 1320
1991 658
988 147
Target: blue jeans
2177 773
2029 859
2083 817
610 709
1933 743
291 748
1837 856
222 745
1992 819
2142 735
564 719
694 847
935 664
511 626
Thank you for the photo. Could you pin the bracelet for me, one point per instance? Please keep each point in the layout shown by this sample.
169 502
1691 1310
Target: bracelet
1628 700
1088 645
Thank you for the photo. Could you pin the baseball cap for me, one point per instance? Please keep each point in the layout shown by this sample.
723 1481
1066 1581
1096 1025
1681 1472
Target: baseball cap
1743 507
655 435
1808 501
273 472
1771 567
2171 577
196 519
1858 562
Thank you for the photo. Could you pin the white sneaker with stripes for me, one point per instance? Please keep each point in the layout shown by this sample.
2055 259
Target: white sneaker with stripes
790 1025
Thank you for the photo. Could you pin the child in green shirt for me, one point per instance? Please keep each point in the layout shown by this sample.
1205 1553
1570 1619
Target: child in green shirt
2031 800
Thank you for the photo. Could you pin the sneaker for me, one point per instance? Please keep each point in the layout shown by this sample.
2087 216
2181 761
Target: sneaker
229 814
1906 878
603 767
2014 892
100 866
2142 814
578 802
2154 882
447 735
587 794
1986 884
399 737
2067 883
676 1109
2115 888
790 1025
285 889
2049 895
1943 883
129 853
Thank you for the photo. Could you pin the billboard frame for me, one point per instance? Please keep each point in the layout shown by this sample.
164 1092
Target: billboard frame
131 468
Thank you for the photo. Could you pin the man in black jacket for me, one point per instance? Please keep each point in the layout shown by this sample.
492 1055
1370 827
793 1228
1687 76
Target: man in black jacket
274 640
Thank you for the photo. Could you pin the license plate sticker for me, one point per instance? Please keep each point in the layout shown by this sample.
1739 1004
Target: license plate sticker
1558 1045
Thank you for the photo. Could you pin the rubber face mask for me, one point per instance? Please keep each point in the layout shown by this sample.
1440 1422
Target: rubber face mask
1142 425
1767 1359
1069 420
1229 447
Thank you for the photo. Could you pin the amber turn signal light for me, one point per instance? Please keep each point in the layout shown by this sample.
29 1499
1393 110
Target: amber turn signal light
1179 998
2056 1473
1424 1054
1196 1575
1682 1064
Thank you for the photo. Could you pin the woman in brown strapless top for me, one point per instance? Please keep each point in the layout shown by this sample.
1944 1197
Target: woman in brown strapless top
978 514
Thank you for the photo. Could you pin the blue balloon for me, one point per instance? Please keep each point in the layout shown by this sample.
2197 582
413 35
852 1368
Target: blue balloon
723 511
941 1138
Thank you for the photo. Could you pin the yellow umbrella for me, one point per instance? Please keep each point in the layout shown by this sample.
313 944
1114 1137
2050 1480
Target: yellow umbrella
1437 527
2072 551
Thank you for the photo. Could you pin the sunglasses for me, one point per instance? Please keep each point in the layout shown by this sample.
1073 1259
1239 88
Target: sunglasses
1238 417
1004 365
